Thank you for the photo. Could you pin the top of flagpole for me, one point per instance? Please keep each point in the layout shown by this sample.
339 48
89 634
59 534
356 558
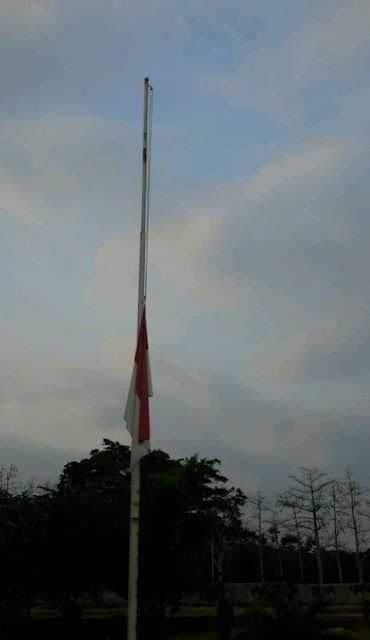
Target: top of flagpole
144 208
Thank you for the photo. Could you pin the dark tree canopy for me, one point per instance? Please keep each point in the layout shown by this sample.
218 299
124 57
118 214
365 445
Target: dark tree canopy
59 542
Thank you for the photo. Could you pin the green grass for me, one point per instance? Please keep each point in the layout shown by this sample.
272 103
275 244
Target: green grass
199 623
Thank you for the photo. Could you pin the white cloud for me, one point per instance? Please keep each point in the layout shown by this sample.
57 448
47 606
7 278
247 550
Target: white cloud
15 202
60 403
272 78
210 310
180 244
63 165
335 40
276 328
113 290
186 263
296 168
43 401
28 16
177 276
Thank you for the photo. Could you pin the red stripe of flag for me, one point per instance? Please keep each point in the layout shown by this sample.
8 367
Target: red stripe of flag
142 386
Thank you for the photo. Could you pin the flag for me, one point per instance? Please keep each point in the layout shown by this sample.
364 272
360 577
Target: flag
137 407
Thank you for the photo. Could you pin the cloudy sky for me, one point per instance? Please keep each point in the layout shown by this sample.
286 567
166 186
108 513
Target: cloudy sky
258 300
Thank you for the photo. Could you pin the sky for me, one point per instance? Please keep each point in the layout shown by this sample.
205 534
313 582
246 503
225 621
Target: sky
258 275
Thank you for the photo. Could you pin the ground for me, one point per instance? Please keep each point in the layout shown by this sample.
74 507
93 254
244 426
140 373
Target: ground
192 623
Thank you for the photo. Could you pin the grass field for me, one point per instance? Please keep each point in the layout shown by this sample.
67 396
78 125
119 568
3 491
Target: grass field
191 623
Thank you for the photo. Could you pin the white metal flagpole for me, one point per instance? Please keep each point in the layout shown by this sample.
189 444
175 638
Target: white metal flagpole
135 472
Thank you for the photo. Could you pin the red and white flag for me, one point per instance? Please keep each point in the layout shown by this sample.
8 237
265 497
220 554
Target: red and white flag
137 407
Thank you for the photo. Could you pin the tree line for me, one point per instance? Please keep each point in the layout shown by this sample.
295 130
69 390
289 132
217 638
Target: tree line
59 542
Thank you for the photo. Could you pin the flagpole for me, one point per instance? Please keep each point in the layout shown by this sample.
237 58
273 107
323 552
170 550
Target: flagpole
135 472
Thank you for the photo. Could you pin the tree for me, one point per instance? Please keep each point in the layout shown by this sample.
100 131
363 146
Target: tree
184 503
227 528
293 527
22 534
209 519
281 613
354 500
309 494
337 522
88 526
72 538
105 473
8 479
274 531
259 506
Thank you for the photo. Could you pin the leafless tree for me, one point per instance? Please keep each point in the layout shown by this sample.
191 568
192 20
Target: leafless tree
337 524
355 502
275 522
309 494
8 476
292 524
259 506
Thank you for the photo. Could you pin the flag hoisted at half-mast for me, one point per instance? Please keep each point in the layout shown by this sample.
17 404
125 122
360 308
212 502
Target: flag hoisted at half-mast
137 407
